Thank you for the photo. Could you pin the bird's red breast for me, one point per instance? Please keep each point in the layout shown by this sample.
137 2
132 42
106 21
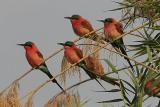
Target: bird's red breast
113 30
81 26
33 55
72 54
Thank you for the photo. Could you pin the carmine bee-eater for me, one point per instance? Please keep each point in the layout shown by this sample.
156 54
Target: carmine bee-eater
35 59
112 30
81 26
152 87
73 54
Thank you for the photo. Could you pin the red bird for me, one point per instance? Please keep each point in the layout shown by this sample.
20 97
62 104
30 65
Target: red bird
81 26
74 54
112 30
152 87
35 59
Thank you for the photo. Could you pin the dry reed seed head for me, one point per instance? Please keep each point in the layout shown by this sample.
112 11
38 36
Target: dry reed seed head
66 100
12 96
48 104
90 63
98 65
3 102
95 64
64 65
71 72
52 103
86 49
29 102
55 103
101 36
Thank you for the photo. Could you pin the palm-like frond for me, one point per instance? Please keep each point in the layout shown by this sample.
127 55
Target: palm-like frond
138 9
149 43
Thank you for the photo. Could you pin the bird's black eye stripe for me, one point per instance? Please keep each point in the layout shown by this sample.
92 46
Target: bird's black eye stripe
76 18
70 45
29 45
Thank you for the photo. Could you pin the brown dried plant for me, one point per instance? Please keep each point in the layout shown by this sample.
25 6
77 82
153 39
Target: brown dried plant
64 65
10 98
65 100
29 102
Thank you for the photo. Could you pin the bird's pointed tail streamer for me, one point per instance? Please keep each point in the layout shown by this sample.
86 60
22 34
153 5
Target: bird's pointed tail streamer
90 74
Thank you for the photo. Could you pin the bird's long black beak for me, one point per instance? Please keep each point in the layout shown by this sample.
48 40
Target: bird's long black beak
101 21
61 44
68 17
21 44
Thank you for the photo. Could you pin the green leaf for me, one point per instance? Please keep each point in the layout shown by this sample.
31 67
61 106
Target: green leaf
118 9
123 92
113 90
133 77
143 77
129 84
155 27
110 65
111 101
149 54
84 102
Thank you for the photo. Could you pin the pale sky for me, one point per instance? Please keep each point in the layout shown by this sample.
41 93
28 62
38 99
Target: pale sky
42 21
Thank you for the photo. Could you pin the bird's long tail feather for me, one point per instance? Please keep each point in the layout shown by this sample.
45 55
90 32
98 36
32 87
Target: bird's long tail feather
90 74
45 70
54 80
120 45
124 52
